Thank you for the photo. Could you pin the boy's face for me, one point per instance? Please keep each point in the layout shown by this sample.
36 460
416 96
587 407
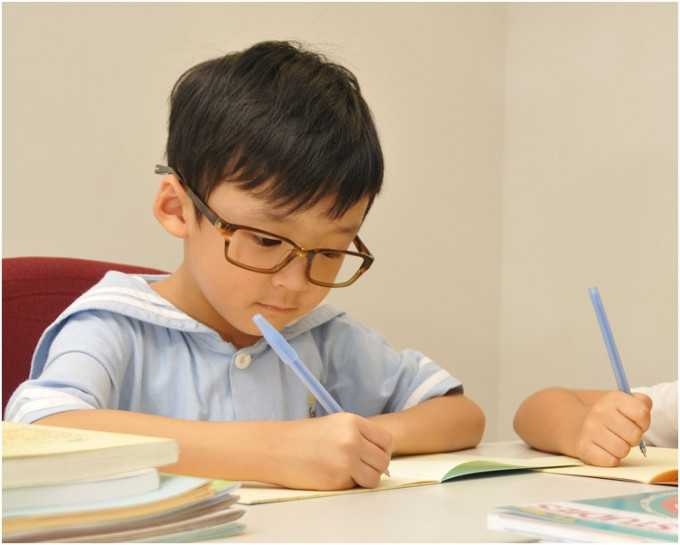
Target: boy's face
225 296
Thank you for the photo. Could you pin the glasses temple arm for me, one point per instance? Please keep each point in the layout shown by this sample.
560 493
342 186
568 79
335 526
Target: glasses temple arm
198 202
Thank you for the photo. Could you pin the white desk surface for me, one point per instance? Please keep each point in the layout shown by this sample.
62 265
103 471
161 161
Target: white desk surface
450 512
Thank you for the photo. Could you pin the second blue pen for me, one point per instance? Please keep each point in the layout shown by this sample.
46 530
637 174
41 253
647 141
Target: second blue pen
614 358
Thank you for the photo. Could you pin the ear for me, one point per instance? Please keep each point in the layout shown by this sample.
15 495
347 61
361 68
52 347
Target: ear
173 208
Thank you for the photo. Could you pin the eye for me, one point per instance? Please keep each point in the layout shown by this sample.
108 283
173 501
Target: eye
266 242
329 254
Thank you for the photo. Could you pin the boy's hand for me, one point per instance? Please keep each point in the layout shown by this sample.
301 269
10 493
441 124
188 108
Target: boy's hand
611 426
333 452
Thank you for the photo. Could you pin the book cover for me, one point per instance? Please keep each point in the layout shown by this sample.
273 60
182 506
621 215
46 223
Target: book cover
649 516
33 454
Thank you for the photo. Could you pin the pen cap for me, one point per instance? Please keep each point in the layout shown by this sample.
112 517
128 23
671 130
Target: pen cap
276 340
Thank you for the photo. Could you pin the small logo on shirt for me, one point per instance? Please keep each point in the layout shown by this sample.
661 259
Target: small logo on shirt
311 406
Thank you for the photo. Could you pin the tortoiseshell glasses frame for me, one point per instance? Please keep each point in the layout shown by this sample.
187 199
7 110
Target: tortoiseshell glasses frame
264 252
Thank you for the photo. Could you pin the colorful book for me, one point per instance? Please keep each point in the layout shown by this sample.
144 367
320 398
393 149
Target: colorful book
649 516
35 455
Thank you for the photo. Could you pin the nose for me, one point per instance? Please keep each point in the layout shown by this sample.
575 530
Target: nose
293 276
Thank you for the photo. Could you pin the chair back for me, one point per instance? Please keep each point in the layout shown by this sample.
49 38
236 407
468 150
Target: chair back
35 290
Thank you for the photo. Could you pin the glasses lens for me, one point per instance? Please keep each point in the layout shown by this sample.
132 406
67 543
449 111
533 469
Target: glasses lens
263 252
335 267
257 250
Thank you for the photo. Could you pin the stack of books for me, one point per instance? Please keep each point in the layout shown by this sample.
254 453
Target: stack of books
64 484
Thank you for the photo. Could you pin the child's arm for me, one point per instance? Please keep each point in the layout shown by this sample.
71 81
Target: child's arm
597 426
334 452
440 424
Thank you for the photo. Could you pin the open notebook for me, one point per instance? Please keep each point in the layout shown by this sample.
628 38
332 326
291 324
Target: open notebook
660 466
426 469
484 460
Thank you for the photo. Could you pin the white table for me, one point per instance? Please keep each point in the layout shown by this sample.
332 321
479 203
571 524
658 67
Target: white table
451 512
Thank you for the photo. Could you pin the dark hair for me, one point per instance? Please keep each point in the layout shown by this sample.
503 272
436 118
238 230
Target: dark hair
275 112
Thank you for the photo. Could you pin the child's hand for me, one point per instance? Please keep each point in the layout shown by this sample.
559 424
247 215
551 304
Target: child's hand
334 452
611 426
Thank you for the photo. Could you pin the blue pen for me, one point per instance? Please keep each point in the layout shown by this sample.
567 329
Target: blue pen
290 357
613 352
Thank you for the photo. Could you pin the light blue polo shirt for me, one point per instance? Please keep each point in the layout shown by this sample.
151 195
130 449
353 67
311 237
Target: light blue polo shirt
122 346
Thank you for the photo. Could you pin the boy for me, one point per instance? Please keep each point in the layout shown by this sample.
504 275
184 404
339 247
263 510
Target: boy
280 143
599 426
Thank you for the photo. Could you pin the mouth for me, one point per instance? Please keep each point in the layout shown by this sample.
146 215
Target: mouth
276 309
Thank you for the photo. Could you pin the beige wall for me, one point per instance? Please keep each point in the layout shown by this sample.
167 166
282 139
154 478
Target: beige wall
531 152
589 195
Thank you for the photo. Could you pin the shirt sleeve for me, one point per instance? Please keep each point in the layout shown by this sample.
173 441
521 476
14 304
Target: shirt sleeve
368 377
81 370
663 431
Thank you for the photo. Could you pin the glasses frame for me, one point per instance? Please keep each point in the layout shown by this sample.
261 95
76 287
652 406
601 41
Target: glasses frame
228 229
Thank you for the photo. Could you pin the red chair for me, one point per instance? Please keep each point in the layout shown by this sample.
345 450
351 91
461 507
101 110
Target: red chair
35 290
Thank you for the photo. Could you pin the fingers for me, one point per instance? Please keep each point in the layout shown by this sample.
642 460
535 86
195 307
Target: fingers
624 415
334 452
605 449
644 399
363 449
369 450
612 426
375 434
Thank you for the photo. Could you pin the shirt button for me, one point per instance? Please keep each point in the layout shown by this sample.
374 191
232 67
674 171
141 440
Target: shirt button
243 361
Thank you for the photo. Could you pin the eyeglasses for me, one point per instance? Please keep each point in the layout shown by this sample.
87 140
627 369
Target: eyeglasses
260 251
